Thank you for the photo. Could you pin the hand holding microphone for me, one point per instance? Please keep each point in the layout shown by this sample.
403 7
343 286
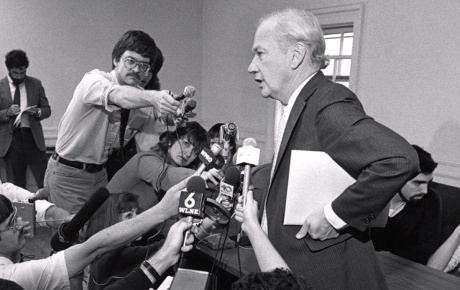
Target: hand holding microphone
247 214
247 156
192 201
164 102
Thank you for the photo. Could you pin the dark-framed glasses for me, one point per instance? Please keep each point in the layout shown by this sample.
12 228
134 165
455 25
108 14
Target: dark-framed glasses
12 224
131 63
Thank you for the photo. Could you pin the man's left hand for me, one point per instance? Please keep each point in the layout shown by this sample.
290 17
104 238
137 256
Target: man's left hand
318 227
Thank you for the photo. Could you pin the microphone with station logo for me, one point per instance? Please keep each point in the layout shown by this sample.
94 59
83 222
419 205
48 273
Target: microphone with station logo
192 201
208 156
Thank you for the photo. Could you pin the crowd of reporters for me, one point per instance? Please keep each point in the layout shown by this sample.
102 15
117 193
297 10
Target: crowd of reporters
129 235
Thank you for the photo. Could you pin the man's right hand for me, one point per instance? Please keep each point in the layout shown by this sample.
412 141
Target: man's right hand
13 110
170 202
165 102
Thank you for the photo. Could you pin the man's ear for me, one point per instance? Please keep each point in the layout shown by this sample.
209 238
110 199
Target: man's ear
115 63
299 52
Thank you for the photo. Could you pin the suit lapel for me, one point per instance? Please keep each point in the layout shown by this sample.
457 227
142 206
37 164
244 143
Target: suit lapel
29 91
5 87
296 112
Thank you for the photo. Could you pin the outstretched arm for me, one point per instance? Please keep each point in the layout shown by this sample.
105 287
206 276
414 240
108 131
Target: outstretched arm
78 256
443 255
164 258
266 254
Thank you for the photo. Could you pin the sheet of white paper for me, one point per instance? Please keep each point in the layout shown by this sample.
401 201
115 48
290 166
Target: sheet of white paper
315 180
166 283
18 116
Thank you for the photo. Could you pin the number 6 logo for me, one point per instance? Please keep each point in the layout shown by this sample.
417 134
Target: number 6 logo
189 201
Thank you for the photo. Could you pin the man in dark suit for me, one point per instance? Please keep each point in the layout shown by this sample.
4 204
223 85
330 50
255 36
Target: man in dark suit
414 227
332 249
23 105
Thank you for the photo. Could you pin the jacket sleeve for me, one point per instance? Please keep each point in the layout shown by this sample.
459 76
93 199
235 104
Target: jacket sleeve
380 160
43 104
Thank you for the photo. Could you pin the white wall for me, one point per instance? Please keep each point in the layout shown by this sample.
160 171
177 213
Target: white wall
407 76
64 39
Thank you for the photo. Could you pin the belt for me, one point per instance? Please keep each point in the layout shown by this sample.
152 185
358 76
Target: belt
88 167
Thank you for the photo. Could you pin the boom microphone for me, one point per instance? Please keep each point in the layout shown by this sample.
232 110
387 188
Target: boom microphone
68 232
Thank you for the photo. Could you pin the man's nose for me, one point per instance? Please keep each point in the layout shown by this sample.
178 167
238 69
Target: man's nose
252 67
424 189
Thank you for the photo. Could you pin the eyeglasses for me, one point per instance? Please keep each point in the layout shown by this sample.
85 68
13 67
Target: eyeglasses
12 224
131 63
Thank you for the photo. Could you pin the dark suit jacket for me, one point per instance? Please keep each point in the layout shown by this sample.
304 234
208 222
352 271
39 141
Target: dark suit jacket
329 117
35 96
414 233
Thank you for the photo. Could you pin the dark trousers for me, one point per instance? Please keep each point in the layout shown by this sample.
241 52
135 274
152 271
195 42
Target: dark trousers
24 152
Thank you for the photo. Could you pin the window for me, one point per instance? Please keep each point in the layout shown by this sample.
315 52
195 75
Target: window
339 47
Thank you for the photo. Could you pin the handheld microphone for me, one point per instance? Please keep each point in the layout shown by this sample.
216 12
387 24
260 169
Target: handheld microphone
207 156
227 132
192 201
189 92
229 184
248 156
190 105
186 106
68 232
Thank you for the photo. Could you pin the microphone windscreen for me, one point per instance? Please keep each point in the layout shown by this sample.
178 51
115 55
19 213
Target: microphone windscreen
87 210
232 176
250 142
196 184
189 91
190 104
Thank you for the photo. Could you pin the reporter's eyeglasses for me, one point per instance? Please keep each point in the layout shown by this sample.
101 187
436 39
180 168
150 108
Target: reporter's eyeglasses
131 63
12 224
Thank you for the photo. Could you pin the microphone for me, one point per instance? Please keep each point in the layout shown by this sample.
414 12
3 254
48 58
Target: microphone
190 104
207 156
68 232
229 184
247 156
192 201
187 105
189 92
227 132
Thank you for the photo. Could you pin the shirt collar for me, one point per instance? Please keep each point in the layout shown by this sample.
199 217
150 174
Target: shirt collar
114 77
288 108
